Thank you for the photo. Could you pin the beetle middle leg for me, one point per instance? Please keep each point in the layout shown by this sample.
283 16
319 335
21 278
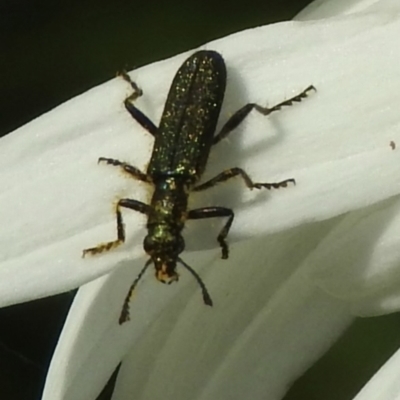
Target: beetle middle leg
141 118
237 118
130 169
126 203
212 212
233 172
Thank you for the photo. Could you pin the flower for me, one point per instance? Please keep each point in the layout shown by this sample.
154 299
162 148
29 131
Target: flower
304 260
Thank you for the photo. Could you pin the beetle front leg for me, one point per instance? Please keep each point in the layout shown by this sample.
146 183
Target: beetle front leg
126 203
212 212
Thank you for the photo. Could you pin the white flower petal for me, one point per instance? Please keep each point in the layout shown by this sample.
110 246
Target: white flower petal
246 347
179 344
268 317
335 144
385 384
92 342
320 9
359 260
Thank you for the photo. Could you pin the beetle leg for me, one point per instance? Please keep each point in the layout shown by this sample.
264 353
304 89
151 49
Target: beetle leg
232 172
130 169
141 118
126 203
212 212
237 118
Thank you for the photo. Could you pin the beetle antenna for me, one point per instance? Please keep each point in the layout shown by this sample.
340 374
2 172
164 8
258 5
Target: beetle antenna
125 308
206 296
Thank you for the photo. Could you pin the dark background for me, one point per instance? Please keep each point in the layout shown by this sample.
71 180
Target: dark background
54 50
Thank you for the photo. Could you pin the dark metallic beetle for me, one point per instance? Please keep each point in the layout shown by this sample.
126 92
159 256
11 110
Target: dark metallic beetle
181 148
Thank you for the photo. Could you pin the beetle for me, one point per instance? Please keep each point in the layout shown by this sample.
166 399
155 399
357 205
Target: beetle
182 144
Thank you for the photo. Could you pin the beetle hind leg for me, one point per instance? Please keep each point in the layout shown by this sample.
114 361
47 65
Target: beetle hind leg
136 114
238 117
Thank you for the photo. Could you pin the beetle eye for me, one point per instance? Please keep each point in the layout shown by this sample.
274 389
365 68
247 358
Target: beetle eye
180 244
148 244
